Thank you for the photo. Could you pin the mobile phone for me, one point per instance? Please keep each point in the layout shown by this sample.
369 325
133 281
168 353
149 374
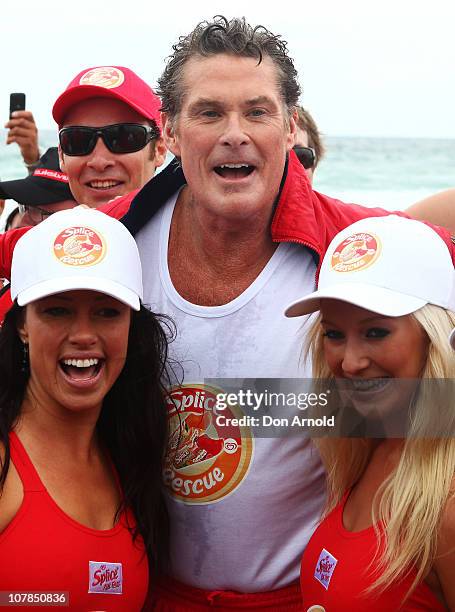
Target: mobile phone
16 102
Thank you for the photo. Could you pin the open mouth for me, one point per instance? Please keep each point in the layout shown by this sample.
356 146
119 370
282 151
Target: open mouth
234 171
81 369
109 184
369 384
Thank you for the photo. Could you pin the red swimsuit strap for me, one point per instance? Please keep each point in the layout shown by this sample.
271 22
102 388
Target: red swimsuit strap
27 473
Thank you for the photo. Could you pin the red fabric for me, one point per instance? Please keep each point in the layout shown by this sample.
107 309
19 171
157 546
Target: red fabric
43 549
173 596
118 206
352 573
302 215
5 305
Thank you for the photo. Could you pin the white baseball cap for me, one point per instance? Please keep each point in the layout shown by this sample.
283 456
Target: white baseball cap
390 265
78 248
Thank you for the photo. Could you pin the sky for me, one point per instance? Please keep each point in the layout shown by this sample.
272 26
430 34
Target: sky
366 68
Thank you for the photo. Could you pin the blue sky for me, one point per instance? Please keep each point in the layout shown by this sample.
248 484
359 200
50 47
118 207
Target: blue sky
366 68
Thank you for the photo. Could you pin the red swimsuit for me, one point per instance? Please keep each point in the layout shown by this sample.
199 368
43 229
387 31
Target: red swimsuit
335 573
43 549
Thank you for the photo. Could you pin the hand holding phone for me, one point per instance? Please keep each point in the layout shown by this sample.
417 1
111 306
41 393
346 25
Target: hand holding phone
22 130
16 103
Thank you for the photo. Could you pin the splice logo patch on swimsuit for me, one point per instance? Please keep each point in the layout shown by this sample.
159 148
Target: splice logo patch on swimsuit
325 567
104 76
356 252
79 246
201 466
105 578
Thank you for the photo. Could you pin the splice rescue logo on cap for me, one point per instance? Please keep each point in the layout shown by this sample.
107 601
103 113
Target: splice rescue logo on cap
105 76
79 246
356 252
201 466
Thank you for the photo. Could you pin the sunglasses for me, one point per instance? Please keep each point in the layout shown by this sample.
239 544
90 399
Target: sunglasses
306 155
35 213
119 138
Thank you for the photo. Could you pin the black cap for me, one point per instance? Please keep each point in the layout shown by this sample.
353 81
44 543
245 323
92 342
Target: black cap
46 185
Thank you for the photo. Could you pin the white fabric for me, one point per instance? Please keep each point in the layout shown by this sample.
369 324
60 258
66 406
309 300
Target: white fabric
252 539
390 265
78 248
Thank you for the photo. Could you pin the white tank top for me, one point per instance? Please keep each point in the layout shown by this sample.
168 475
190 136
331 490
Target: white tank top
242 509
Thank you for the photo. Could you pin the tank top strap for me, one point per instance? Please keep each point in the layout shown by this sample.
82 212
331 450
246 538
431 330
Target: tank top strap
25 468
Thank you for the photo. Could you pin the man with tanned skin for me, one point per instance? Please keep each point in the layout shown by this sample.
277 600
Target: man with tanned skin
106 96
235 231
229 234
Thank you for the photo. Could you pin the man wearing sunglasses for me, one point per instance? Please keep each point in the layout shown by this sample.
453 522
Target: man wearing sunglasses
308 146
236 232
38 195
109 134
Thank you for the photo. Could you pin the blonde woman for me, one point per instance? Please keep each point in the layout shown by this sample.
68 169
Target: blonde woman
386 298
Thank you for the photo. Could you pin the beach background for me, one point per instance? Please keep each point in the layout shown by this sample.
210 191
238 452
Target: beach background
389 172
377 77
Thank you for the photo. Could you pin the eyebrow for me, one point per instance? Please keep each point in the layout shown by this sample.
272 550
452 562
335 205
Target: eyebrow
58 296
259 100
203 102
366 320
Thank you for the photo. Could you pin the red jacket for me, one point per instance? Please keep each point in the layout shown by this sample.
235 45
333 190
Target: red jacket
301 214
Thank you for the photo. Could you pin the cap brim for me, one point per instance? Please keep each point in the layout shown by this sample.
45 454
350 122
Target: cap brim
452 339
25 191
101 285
85 92
376 299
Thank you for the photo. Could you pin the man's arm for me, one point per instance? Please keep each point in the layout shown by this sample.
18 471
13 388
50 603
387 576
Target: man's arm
438 209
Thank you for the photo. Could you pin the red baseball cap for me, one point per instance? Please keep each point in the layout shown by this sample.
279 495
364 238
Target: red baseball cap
109 82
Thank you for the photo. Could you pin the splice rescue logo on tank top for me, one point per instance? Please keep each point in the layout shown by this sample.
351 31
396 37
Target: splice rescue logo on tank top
201 466
105 577
79 246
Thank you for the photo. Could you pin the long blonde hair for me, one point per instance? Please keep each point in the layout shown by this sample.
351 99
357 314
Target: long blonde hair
410 502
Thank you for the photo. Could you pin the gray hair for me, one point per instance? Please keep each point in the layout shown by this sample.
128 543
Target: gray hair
233 37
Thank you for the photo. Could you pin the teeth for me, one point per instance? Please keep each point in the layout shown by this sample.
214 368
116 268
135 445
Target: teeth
103 184
368 385
81 363
234 166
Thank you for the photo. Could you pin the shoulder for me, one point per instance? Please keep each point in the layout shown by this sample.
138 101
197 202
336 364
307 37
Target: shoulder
438 209
118 207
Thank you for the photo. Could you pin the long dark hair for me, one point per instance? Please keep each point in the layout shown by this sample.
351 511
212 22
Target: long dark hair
132 425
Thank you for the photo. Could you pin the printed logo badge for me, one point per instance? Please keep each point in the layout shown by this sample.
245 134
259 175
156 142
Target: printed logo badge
201 466
105 578
324 568
105 76
79 246
356 252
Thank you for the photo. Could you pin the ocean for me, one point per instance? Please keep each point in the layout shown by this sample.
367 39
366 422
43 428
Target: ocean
389 172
